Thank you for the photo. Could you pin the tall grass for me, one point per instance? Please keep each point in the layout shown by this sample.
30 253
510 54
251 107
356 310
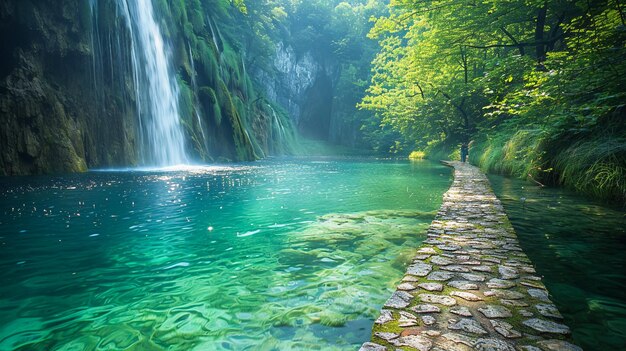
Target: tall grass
595 166
443 150
516 153
591 164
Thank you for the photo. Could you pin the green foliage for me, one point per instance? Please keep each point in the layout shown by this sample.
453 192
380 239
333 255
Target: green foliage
511 151
177 9
217 115
537 84
197 20
208 60
243 144
240 5
186 100
209 101
208 96
596 167
417 155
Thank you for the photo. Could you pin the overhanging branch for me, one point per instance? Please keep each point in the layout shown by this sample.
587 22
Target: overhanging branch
531 44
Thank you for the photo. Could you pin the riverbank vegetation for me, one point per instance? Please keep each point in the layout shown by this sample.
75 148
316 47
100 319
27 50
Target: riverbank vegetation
537 85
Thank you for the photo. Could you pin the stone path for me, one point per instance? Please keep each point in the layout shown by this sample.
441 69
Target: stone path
470 286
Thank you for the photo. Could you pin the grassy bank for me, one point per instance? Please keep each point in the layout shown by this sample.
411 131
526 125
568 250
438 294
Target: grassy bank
592 162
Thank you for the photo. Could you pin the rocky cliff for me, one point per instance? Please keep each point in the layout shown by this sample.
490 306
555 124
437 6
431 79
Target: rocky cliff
76 87
46 104
68 90
302 84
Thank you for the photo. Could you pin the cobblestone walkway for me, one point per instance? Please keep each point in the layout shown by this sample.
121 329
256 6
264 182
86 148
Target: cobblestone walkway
470 286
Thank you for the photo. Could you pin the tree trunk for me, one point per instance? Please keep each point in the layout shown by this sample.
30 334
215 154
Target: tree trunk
540 48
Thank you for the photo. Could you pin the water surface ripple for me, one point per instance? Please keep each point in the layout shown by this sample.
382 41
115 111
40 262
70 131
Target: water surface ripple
578 246
283 254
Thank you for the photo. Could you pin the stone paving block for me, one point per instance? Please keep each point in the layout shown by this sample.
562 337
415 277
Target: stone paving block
472 287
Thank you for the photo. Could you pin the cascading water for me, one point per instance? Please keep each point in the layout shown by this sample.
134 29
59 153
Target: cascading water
278 130
162 141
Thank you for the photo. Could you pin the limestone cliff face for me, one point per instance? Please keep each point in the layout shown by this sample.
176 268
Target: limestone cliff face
303 85
47 105
67 90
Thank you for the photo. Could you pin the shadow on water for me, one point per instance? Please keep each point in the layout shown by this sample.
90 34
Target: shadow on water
579 246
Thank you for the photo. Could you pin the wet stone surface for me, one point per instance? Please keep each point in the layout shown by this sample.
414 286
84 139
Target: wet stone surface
461 311
470 286
468 325
431 286
399 299
495 311
426 308
463 285
546 326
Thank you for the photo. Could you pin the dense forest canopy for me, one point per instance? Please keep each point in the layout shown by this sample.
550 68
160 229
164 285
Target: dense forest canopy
538 85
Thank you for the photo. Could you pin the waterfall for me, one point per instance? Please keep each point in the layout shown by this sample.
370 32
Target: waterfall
213 35
278 130
161 138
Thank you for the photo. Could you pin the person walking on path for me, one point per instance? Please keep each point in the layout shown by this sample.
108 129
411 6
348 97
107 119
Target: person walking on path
464 152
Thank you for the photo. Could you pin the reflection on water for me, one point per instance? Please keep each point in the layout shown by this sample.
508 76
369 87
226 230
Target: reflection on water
273 255
578 245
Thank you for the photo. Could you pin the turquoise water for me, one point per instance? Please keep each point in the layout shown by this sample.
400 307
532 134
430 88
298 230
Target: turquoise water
286 254
579 247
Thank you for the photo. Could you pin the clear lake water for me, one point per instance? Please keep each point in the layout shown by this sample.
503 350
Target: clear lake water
280 254
579 247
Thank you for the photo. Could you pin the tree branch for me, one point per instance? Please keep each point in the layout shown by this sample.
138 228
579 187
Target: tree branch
458 107
515 42
535 43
